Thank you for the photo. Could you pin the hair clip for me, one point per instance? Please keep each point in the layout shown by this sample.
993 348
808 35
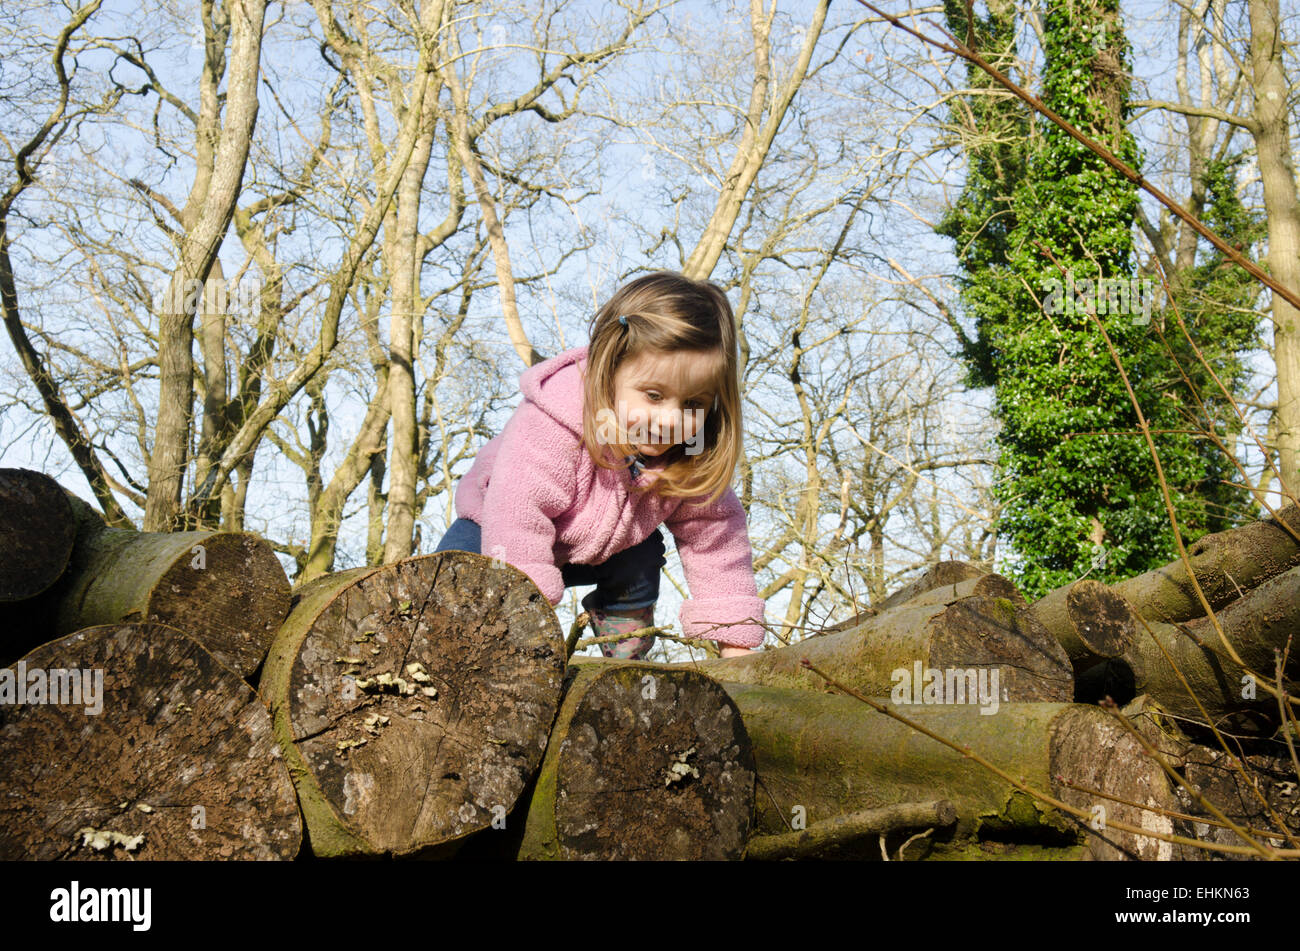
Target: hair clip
623 319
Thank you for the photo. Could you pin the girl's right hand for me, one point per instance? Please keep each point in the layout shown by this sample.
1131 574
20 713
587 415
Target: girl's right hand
735 651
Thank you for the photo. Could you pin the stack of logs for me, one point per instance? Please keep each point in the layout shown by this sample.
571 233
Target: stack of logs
168 696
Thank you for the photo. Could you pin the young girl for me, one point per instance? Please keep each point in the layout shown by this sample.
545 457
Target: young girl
639 428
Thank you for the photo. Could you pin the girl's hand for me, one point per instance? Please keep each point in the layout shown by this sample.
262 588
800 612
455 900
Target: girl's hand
736 651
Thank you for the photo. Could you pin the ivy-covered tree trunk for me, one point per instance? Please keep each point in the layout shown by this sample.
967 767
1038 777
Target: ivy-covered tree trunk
1080 492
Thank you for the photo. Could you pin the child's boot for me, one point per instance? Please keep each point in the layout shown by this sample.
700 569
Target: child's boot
632 648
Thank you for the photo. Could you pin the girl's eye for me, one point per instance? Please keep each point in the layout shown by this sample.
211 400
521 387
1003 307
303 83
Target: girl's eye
653 396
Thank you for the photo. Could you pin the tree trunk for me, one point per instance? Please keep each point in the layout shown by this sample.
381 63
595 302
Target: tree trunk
227 590
158 741
223 144
821 756
644 762
1271 129
36 533
1225 565
1256 625
413 701
971 634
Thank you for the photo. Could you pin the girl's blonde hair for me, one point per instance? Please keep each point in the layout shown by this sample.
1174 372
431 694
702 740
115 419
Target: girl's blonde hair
668 312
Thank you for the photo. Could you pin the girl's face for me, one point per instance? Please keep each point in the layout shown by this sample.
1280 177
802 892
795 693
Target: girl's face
661 399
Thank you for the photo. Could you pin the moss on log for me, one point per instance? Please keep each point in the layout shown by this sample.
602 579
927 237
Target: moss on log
1225 564
821 756
158 751
644 762
413 701
1255 625
970 634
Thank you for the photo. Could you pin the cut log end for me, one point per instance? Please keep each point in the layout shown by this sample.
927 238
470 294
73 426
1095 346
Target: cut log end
36 533
156 752
228 591
654 764
980 632
413 701
1100 767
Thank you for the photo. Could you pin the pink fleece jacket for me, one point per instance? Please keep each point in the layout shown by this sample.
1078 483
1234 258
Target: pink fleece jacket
543 503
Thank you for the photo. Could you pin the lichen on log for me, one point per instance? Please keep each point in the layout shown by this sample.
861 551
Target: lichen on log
160 740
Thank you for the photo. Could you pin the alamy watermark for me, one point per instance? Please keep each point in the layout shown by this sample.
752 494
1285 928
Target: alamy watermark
59 686
1122 296
950 685
214 296
675 426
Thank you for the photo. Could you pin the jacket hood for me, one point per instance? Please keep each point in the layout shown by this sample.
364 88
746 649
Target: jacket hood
555 387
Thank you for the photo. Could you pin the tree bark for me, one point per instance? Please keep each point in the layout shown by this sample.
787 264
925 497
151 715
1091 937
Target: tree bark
227 590
36 533
988 585
413 701
1271 129
1256 625
937 576
821 756
180 753
644 762
223 155
858 831
973 633
1225 564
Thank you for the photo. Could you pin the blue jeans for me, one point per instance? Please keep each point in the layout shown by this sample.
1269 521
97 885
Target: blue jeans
628 581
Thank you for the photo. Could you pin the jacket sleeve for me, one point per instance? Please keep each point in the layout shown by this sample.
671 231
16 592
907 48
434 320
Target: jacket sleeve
713 542
533 481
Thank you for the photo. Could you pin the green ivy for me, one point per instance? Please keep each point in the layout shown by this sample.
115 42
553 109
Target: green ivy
1071 462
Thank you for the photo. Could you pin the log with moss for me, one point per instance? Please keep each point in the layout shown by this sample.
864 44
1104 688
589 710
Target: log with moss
1255 626
227 590
994 638
130 741
36 532
644 762
820 756
1225 564
413 702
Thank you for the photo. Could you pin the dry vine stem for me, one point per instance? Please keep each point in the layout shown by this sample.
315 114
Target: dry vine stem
1164 492
1055 803
1232 758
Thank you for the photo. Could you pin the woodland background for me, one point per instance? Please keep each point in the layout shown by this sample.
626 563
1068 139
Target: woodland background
277 266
